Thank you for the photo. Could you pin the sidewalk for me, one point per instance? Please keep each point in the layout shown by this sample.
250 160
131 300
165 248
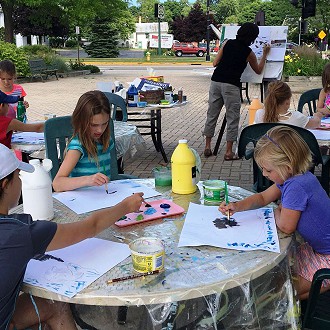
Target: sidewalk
60 97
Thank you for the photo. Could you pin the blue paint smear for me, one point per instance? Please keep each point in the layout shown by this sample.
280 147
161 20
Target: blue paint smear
150 211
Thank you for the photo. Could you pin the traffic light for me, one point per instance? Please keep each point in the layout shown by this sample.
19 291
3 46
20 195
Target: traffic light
308 9
304 27
159 10
294 2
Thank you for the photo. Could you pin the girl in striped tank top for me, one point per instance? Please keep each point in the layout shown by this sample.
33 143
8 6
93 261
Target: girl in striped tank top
87 160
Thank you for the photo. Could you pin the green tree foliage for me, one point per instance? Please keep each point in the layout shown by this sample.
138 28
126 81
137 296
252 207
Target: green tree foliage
224 9
104 39
41 20
9 51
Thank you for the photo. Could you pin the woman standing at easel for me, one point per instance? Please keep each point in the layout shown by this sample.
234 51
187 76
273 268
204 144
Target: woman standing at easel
229 64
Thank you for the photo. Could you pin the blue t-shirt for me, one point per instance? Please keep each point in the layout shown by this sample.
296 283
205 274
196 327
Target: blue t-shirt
20 240
88 166
304 193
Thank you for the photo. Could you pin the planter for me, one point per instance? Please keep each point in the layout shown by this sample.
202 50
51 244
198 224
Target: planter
302 79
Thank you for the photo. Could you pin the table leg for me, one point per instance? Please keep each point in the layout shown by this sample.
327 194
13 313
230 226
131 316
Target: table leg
159 134
153 129
222 129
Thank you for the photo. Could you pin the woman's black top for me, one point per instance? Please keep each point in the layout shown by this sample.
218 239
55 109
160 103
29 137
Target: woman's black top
232 63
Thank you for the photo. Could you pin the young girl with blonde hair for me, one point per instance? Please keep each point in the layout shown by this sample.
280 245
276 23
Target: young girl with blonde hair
323 103
87 160
285 159
277 104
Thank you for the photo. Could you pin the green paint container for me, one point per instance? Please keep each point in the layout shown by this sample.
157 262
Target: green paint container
214 191
163 175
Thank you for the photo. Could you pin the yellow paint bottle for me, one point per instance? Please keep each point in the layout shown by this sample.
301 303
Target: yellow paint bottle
183 169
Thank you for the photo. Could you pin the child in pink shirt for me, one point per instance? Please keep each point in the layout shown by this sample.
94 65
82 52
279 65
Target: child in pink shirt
7 77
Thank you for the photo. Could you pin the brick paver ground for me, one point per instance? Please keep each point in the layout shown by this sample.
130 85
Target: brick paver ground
60 97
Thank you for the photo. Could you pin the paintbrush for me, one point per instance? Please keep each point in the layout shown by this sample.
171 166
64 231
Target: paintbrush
106 184
130 277
227 200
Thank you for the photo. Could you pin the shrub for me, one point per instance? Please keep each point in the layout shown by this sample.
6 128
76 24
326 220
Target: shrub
71 43
9 51
82 66
37 50
304 61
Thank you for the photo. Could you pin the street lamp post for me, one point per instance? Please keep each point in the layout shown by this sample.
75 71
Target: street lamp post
207 58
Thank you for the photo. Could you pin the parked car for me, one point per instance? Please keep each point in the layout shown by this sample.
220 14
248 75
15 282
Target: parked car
290 45
182 48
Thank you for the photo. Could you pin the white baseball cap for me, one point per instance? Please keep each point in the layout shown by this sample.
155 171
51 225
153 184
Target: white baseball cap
9 163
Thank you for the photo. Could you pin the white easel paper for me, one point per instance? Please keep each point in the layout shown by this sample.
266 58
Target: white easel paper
89 199
255 230
68 271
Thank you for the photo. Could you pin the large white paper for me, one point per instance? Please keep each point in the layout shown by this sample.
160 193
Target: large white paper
321 134
28 138
256 229
68 271
94 198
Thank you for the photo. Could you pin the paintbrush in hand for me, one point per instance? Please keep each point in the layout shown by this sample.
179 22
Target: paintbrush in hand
106 184
227 200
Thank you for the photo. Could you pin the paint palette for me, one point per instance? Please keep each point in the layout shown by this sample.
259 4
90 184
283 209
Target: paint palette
151 211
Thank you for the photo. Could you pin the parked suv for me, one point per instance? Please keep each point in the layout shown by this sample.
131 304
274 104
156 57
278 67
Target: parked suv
181 48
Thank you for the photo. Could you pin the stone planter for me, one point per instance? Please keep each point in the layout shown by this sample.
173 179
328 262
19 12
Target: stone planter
300 84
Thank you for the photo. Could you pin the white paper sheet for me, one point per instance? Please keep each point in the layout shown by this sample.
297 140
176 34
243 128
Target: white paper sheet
95 198
321 134
256 229
68 271
28 138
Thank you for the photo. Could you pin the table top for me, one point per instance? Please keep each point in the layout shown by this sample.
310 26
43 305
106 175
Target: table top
129 141
190 272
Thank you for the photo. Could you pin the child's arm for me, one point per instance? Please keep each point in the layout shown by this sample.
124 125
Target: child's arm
286 219
320 103
71 233
62 181
315 121
252 202
16 125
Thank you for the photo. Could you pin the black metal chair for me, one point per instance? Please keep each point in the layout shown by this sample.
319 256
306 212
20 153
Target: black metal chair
317 313
251 134
310 98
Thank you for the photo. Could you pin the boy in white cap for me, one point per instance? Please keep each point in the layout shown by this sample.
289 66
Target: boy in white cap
22 239
8 125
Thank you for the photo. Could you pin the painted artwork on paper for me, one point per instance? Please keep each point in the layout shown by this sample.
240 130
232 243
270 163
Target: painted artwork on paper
248 230
68 271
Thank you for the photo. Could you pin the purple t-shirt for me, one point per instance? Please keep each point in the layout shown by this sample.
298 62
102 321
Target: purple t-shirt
304 193
20 240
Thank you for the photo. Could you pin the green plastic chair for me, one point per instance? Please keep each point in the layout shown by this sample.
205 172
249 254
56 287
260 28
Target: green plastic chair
251 134
310 98
119 108
317 313
58 132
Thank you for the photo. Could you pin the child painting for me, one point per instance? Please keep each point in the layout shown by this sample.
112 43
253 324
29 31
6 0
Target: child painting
285 159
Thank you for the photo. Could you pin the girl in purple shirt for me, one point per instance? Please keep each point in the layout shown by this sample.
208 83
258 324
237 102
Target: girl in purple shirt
285 159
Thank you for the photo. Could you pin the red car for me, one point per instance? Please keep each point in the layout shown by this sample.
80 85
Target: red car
181 48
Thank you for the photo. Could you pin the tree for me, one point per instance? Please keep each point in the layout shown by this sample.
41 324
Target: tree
43 20
225 9
104 39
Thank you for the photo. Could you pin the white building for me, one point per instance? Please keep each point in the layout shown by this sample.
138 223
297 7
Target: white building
142 35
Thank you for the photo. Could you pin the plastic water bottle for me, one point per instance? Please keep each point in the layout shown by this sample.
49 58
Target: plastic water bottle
37 190
132 96
21 111
183 169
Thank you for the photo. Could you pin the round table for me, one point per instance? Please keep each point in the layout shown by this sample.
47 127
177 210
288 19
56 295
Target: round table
226 289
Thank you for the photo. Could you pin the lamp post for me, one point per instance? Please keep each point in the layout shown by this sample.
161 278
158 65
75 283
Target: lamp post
207 57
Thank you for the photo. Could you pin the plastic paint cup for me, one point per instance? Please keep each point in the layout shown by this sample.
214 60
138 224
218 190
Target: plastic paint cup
148 254
214 191
163 176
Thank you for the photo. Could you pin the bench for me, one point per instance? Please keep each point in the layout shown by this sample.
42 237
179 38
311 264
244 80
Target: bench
39 69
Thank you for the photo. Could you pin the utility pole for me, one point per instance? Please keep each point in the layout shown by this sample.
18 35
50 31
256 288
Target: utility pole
207 57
